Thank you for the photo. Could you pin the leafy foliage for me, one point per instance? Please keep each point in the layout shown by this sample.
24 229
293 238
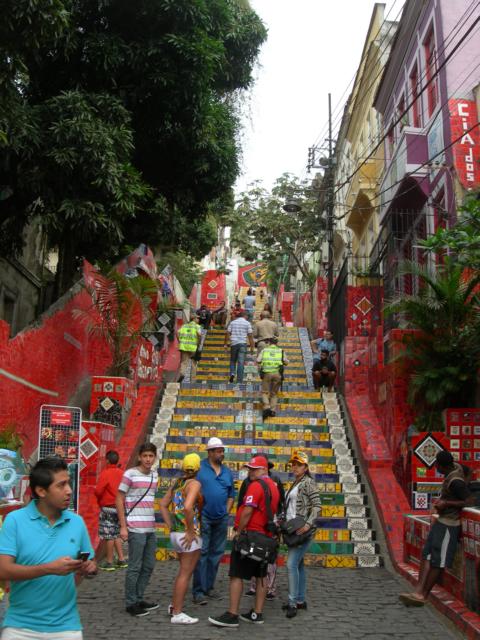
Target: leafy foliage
443 351
262 229
119 120
463 239
122 309
184 267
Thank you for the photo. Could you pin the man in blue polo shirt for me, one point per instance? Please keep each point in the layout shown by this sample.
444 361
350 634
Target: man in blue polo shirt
43 547
218 494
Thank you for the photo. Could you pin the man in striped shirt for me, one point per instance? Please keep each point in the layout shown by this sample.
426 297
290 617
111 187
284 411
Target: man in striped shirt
136 515
239 331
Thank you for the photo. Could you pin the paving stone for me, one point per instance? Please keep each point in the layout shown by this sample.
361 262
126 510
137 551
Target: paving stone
342 604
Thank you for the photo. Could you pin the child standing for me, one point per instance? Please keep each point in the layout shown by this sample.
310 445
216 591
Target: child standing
108 523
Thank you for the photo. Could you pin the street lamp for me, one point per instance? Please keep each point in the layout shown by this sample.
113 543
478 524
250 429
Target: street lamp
291 205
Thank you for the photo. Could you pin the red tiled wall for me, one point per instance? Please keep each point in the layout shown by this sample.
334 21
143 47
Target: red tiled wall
134 434
56 356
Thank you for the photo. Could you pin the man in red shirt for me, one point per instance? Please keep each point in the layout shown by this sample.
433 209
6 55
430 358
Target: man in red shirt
108 525
251 516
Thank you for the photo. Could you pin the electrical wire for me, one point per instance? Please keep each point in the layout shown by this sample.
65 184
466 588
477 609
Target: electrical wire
339 107
408 107
468 73
441 50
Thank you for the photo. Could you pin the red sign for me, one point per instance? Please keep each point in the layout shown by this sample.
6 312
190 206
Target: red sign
466 152
61 417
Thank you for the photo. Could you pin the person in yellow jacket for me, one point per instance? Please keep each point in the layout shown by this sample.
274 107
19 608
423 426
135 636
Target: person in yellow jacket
271 361
189 336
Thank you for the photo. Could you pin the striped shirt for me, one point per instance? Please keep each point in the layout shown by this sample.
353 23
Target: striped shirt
134 484
239 330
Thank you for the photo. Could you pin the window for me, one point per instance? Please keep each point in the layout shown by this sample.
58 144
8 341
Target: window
431 71
390 142
401 114
7 308
416 104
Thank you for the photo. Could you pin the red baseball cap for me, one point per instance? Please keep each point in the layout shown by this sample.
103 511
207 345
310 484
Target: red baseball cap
257 462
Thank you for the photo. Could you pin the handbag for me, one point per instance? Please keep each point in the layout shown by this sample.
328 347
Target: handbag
255 545
290 527
289 530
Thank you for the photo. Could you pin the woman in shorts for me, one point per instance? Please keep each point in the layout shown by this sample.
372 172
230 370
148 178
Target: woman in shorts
180 508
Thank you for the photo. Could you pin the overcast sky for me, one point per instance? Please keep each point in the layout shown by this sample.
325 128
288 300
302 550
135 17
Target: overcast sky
313 48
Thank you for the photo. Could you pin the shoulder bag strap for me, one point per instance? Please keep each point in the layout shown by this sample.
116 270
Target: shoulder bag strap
268 504
141 498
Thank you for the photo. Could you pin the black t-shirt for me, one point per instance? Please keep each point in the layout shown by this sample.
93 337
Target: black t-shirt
459 489
318 365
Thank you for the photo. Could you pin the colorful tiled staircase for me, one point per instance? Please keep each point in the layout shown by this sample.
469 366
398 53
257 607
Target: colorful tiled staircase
207 405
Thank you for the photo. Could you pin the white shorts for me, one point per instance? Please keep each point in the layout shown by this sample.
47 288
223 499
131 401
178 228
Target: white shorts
12 633
178 546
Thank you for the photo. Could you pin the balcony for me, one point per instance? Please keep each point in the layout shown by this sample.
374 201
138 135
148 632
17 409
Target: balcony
410 153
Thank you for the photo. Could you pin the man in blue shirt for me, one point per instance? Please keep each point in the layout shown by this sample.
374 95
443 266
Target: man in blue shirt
326 343
218 494
43 546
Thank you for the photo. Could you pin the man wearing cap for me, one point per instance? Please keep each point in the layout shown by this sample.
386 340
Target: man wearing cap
251 516
271 361
442 541
218 494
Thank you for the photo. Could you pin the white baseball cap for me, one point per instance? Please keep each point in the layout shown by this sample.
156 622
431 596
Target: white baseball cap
215 443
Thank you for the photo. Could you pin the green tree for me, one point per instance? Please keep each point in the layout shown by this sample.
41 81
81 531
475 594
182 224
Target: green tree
152 85
443 350
463 239
262 229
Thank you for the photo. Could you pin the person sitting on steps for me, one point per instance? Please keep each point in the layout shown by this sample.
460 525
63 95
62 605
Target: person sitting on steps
324 372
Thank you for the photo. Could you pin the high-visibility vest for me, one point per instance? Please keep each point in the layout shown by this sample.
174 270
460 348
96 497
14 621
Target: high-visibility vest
272 359
188 337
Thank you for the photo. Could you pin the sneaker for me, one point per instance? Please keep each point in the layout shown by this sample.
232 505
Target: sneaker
200 599
231 379
170 610
137 611
182 618
250 592
252 616
227 619
148 606
302 605
270 596
107 566
291 612
121 564
214 595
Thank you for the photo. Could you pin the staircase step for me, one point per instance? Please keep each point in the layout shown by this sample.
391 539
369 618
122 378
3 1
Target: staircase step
207 405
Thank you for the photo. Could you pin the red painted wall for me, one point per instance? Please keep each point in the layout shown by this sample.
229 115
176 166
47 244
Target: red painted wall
56 356
214 289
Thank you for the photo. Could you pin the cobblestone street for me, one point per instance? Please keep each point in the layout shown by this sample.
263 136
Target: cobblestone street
357 604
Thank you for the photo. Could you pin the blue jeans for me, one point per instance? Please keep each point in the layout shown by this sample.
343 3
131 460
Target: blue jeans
296 574
214 540
238 353
141 560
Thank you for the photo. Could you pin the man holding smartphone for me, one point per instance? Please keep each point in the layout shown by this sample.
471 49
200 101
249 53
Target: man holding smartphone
44 551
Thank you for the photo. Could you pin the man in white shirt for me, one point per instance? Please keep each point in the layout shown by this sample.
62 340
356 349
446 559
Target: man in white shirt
239 332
